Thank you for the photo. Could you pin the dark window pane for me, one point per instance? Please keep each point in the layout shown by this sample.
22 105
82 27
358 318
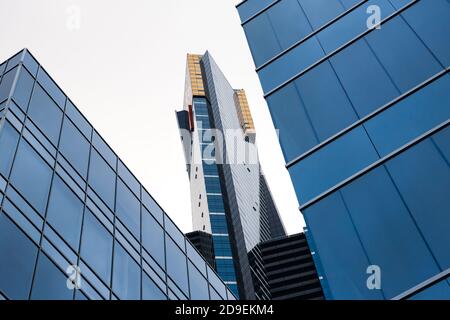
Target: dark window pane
45 114
102 178
128 208
18 256
96 246
31 176
320 12
65 212
153 237
50 283
8 143
126 278
75 147
176 265
150 290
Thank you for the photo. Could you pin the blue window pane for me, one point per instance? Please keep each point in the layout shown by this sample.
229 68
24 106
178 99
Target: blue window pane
439 291
152 206
104 150
30 63
212 185
316 174
363 77
251 7
375 206
50 283
411 117
289 22
429 18
18 256
261 38
153 237
96 246
77 118
6 84
199 285
404 56
422 176
65 212
217 284
52 88
222 247
320 12
128 208
8 143
175 233
176 265
150 290
344 270
327 105
219 224
126 279
23 89
215 203
30 171
210 169
225 268
102 178
75 147
45 114
129 179
289 115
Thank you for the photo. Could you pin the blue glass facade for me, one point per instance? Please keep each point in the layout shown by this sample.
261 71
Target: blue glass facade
363 115
68 200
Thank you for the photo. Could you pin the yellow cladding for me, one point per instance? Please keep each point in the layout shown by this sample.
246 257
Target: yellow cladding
195 74
243 108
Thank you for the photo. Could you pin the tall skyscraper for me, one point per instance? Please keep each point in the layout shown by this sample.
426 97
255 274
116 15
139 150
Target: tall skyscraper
359 91
230 197
72 216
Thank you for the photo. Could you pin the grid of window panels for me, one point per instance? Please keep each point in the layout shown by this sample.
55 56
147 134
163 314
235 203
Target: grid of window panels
70 207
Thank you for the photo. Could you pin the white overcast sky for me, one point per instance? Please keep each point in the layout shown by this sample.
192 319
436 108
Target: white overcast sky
124 65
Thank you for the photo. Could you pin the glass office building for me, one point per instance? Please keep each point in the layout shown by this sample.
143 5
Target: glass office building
360 91
72 215
230 197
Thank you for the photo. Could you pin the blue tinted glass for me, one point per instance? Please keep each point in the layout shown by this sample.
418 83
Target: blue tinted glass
403 55
332 229
320 12
289 116
215 203
210 169
327 105
65 212
18 256
251 7
30 63
222 247
411 117
261 38
176 265
49 282
104 150
150 290
129 179
351 25
51 87
75 147
153 237
8 142
126 278
289 22
102 178
96 246
374 205
31 176
212 185
199 285
128 208
363 77
217 284
225 268
152 206
316 173
439 291
175 233
218 224
45 114
6 84
422 176
78 119
23 89
429 18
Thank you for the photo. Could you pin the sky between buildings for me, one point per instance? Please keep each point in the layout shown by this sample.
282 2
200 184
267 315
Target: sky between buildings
123 65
